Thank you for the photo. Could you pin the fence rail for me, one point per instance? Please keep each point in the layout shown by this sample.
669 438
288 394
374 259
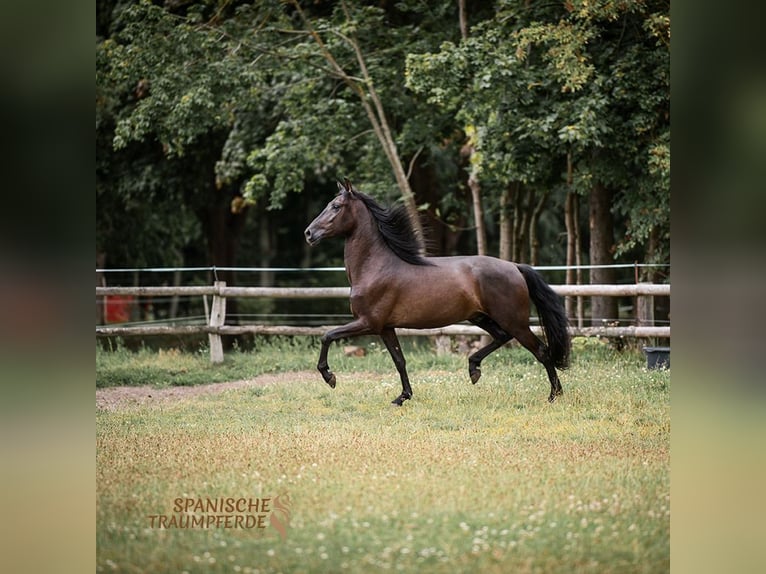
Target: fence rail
605 331
215 326
344 292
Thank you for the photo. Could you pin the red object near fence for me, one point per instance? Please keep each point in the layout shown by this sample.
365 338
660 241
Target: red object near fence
118 308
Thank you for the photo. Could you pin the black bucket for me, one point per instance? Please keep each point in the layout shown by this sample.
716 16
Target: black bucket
657 357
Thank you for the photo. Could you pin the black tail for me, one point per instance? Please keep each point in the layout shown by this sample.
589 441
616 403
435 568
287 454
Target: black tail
553 317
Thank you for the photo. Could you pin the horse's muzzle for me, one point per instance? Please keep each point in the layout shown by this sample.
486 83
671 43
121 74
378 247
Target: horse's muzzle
312 238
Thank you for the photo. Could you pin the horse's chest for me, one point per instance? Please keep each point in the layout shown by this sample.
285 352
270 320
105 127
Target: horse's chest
365 298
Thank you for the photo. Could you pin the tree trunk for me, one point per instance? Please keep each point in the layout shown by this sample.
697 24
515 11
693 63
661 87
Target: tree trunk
516 225
578 260
401 177
656 275
506 225
534 244
439 238
469 150
266 248
311 211
478 214
100 282
173 310
571 224
223 230
463 19
603 309
373 107
524 209
568 209
651 273
574 255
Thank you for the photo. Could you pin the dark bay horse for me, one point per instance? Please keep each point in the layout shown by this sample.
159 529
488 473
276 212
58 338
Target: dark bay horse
394 285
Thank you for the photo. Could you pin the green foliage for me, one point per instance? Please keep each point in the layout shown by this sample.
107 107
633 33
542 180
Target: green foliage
541 82
180 103
205 102
565 57
324 131
191 77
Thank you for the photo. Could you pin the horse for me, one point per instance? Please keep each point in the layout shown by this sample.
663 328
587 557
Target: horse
393 284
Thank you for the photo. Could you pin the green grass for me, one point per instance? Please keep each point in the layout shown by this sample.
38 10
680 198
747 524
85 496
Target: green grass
164 368
463 478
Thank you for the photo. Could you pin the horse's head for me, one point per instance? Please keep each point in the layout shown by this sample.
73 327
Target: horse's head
337 219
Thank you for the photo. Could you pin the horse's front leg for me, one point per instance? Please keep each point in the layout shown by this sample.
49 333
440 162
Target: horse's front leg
392 344
351 329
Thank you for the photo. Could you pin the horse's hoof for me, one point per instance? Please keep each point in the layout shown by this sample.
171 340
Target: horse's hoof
557 393
399 401
475 375
329 378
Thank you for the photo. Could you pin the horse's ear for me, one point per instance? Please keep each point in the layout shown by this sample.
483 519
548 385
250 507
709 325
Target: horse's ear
345 186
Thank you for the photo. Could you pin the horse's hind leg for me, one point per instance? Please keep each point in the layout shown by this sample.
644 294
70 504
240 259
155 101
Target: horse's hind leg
535 346
499 338
392 344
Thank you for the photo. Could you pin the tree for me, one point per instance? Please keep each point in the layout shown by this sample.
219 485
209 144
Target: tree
483 83
577 84
175 91
350 62
259 99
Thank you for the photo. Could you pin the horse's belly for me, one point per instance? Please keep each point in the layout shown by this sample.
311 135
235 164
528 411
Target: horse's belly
433 308
426 298
432 322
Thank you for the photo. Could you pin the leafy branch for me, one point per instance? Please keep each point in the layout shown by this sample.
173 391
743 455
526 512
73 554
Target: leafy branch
364 88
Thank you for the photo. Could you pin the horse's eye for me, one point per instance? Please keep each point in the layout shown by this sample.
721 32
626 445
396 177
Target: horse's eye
336 206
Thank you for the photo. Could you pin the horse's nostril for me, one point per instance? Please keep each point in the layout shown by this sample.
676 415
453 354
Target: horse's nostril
307 233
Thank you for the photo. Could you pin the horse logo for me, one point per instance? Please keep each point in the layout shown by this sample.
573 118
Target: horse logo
280 514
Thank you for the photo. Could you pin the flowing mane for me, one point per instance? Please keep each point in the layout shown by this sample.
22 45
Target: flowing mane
396 230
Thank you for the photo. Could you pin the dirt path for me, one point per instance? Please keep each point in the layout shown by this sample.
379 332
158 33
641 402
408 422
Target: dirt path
115 398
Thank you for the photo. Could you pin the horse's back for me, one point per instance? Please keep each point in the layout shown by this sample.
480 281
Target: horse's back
483 268
498 284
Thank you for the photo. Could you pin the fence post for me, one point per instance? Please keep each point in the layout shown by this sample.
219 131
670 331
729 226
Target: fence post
217 319
645 311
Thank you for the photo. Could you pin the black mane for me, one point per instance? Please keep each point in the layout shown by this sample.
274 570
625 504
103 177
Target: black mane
396 230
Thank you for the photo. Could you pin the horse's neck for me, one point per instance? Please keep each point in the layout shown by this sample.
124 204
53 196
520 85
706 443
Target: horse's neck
365 253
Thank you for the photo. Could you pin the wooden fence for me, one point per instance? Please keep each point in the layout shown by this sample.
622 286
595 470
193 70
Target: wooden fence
215 327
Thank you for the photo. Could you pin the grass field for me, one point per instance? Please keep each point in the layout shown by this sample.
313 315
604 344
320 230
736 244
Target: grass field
463 478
